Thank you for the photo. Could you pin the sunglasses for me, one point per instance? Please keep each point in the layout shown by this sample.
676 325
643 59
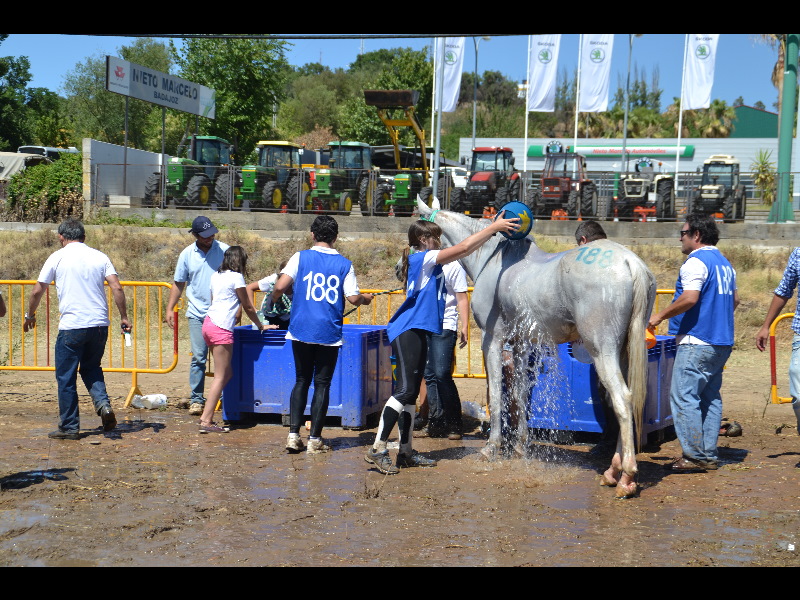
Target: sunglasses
684 232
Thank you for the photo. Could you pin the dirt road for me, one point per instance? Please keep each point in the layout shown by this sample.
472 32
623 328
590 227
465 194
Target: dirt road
155 492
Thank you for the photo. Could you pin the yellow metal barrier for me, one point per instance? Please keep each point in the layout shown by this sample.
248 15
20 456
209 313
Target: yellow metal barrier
773 367
150 340
380 310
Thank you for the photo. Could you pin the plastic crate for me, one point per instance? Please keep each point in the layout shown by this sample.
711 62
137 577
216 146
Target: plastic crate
264 375
566 396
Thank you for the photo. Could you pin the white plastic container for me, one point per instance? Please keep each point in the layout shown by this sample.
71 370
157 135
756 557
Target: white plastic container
151 401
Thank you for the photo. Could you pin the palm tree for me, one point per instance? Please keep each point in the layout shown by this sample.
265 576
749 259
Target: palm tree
776 40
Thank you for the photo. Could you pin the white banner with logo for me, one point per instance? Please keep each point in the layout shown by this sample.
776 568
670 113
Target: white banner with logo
699 75
453 63
595 65
543 61
136 81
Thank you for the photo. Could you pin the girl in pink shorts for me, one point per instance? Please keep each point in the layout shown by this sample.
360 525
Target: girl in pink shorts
228 296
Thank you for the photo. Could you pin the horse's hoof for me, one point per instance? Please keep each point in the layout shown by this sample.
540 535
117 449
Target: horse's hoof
627 491
607 481
489 452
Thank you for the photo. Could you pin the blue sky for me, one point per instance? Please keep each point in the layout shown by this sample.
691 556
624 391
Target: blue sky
743 65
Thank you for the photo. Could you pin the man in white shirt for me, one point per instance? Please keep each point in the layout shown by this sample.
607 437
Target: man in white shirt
80 273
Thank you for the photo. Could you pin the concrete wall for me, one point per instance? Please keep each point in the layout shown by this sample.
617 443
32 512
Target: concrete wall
105 174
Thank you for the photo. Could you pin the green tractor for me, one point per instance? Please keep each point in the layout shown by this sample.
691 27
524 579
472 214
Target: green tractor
277 180
191 181
345 180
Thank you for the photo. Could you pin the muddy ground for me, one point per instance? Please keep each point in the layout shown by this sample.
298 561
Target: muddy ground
156 493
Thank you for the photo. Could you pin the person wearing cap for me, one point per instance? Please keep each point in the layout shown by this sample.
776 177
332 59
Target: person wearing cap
196 264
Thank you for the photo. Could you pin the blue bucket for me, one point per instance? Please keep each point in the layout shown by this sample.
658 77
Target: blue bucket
517 210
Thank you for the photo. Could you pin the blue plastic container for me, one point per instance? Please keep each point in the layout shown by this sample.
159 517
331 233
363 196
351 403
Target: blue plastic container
264 375
566 396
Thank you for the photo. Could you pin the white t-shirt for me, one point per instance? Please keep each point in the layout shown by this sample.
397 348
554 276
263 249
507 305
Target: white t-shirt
224 300
80 273
455 280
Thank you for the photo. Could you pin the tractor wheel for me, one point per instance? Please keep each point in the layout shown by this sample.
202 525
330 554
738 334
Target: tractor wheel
665 200
501 198
297 188
514 193
691 203
380 201
223 190
535 203
152 191
741 199
458 200
366 191
272 195
199 191
572 204
426 195
589 201
346 203
729 206
445 189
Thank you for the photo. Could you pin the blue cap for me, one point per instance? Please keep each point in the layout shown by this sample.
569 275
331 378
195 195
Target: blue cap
203 227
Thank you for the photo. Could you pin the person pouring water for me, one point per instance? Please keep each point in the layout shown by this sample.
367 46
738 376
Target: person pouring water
420 313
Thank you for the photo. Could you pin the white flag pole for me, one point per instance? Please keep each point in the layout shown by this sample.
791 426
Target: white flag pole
578 91
527 102
435 183
680 118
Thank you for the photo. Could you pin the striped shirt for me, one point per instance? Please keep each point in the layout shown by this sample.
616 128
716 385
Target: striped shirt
791 277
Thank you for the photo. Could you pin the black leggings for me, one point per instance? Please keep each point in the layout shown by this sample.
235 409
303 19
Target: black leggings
317 362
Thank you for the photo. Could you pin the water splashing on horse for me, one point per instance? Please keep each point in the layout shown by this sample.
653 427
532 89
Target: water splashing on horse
601 293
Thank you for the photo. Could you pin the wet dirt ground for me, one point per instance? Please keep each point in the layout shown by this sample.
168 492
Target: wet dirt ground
156 493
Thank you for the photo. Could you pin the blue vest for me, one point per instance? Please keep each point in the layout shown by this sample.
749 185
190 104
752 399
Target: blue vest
318 297
711 319
423 308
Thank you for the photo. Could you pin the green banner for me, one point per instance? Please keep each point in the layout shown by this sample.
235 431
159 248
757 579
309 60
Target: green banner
615 150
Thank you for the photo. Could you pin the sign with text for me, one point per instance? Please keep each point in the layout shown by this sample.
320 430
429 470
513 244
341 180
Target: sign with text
142 83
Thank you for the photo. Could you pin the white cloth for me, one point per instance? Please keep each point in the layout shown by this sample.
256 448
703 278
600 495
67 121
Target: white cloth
455 280
80 273
224 300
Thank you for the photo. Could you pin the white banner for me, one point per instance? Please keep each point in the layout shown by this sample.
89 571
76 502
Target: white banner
543 61
453 63
699 75
136 81
595 65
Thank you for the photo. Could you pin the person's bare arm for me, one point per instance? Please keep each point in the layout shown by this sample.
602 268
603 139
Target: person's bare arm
775 308
462 303
247 306
33 303
682 303
477 239
119 300
174 296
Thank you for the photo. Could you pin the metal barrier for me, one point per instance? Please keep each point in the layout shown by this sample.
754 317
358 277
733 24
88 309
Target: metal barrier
147 353
773 367
379 311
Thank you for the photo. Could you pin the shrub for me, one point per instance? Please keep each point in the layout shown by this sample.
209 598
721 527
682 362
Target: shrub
47 192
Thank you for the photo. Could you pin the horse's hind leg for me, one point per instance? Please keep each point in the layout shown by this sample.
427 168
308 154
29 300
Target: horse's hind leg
492 357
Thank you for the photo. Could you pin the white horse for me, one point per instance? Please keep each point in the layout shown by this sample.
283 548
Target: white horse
601 293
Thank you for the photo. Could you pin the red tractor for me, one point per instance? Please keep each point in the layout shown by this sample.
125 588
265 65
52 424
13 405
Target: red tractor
492 181
565 189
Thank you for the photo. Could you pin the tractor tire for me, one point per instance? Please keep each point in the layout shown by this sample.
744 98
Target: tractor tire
572 204
152 191
458 200
588 201
741 202
501 197
514 191
272 195
222 192
297 188
426 195
729 206
200 191
691 203
535 203
366 191
665 200
380 201
346 203
444 189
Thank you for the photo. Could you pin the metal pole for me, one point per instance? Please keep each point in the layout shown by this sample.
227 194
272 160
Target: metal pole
125 153
475 42
624 167
680 121
783 209
439 120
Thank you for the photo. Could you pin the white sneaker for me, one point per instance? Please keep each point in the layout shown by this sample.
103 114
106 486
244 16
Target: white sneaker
196 409
317 446
294 444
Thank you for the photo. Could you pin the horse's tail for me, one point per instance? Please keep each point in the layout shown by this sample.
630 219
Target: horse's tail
643 299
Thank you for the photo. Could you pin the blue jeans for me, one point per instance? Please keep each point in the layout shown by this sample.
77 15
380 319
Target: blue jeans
444 403
794 378
695 398
197 368
79 351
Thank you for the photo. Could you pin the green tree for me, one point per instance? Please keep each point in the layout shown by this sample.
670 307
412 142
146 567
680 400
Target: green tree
100 114
14 123
248 77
